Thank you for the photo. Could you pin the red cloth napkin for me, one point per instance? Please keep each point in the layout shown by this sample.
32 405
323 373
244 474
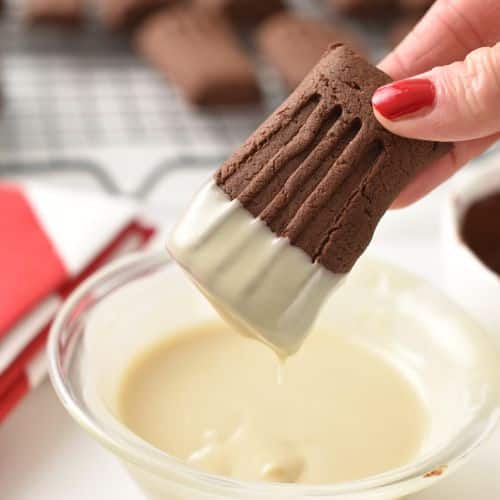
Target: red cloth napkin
50 240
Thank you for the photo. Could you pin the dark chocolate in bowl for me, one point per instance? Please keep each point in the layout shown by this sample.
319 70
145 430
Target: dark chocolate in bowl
480 230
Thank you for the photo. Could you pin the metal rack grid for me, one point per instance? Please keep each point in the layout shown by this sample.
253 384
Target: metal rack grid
67 88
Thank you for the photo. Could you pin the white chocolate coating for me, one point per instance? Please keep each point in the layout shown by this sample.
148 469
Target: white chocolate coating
210 397
258 281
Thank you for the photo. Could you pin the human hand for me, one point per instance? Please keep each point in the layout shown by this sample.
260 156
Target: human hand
458 100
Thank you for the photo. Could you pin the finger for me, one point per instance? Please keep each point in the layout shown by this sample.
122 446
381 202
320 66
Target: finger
447 33
443 169
458 102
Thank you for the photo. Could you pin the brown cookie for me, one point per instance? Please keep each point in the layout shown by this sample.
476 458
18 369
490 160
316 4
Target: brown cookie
415 6
365 8
119 14
63 12
401 28
321 170
242 11
294 44
200 54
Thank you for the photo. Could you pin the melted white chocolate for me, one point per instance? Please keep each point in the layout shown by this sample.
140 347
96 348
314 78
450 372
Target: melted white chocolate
257 281
211 398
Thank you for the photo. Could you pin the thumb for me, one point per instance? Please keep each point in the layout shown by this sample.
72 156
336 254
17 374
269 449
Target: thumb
450 103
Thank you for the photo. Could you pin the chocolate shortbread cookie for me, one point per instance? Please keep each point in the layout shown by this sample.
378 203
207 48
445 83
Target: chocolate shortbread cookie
415 6
63 12
128 13
294 44
321 170
242 11
365 8
200 54
401 28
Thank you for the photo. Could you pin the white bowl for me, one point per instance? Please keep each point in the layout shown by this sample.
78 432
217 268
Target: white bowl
470 282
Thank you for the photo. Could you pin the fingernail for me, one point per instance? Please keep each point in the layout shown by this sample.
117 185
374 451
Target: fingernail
404 97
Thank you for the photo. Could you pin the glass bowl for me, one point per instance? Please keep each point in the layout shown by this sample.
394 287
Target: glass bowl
123 308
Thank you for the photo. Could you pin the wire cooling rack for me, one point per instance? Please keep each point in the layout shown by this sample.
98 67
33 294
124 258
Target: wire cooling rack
70 93
66 88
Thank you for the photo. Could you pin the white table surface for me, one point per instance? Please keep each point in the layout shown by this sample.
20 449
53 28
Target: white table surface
45 455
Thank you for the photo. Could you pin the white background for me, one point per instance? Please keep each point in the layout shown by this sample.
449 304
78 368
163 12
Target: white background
45 455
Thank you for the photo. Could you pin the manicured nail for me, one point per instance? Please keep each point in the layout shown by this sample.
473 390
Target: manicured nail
404 97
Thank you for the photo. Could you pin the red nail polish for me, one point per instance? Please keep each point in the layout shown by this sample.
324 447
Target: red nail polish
404 97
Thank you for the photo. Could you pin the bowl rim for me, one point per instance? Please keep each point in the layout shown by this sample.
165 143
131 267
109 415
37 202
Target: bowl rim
149 458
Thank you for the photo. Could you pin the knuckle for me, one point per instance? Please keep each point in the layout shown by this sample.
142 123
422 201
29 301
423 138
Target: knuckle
475 82
482 66
484 60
